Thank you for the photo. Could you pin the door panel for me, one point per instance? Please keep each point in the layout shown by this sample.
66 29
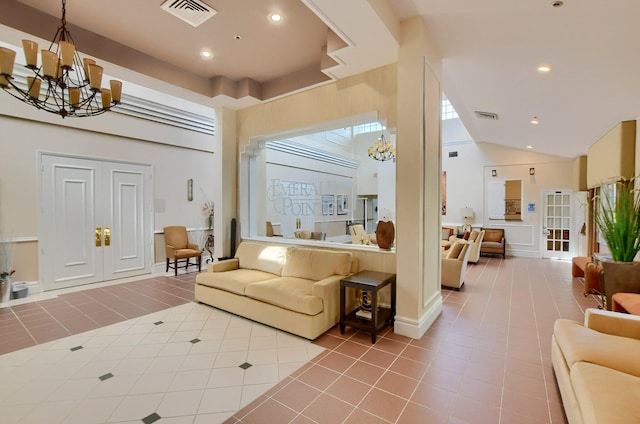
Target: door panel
128 253
556 240
68 215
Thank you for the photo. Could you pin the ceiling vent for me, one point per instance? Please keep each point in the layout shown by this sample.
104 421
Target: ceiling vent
486 115
193 12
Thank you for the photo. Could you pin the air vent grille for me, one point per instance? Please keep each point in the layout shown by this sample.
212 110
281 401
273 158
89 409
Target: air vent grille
453 154
486 115
193 12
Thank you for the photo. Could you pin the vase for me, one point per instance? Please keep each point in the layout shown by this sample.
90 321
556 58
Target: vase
5 289
385 234
620 277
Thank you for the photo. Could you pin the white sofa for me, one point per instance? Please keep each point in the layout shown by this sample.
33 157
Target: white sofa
597 367
295 289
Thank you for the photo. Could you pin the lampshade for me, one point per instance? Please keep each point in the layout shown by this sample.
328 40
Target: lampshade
466 212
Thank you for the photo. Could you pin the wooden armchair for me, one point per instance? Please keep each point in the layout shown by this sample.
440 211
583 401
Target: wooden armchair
178 248
493 242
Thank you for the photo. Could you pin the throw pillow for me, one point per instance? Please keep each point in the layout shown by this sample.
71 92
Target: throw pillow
466 235
455 250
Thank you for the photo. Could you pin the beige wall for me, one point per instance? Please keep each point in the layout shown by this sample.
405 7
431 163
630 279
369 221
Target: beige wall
613 155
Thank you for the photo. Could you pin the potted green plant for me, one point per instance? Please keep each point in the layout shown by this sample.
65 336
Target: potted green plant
618 219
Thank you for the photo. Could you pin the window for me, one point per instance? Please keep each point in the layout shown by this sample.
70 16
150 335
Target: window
367 128
448 112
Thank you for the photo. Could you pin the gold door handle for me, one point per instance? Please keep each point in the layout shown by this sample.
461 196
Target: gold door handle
98 236
107 236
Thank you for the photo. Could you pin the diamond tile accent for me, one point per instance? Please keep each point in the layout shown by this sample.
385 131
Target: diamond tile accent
152 418
245 366
194 341
73 349
105 376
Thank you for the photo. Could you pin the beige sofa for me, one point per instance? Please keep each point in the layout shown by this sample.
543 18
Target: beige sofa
295 289
597 367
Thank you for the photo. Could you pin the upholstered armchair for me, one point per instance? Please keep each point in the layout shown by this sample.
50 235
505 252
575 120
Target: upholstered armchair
475 238
178 248
493 241
270 232
360 236
454 264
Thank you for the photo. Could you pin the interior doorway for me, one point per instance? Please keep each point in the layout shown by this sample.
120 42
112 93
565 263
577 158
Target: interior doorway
556 224
95 220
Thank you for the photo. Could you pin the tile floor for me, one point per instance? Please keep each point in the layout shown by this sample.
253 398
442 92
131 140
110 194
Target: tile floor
486 359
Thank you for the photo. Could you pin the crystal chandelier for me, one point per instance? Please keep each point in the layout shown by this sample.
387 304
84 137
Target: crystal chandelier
64 83
383 150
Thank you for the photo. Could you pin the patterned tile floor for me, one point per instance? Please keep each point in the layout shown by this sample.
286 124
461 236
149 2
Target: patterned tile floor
486 359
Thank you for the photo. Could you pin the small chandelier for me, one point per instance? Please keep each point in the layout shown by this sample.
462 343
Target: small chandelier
383 150
72 87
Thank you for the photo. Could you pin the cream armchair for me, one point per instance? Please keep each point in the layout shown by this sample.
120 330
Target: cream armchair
360 236
475 238
454 264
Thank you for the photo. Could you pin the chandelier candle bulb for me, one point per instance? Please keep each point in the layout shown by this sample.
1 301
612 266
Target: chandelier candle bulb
33 84
95 77
49 63
74 97
116 90
30 53
105 93
85 63
67 51
7 57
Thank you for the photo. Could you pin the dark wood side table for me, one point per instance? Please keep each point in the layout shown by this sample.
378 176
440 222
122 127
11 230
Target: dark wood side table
371 281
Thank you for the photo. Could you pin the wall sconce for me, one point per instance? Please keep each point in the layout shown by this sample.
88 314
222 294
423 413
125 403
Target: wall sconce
190 189
532 171
494 173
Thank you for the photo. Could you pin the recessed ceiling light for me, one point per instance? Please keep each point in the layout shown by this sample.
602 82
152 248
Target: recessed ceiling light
206 54
529 147
544 69
275 17
534 120
238 37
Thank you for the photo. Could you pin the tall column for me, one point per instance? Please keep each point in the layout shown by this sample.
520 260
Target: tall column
418 181
226 180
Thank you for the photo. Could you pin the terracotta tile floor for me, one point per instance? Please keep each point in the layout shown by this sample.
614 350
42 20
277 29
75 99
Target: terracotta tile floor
28 324
486 359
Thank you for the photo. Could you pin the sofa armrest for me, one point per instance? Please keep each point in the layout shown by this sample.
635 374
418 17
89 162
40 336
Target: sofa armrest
327 287
615 323
222 266
451 266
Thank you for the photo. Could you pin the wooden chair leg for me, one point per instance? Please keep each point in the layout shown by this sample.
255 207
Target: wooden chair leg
167 269
175 267
199 259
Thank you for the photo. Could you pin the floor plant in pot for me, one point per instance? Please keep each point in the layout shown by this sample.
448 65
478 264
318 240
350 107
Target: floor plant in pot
618 219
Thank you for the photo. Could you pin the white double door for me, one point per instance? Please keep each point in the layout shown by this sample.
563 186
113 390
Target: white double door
95 220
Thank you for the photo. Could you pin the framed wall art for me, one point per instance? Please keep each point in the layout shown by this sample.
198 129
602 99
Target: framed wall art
327 204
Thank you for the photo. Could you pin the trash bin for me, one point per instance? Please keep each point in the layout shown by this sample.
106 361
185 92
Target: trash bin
19 289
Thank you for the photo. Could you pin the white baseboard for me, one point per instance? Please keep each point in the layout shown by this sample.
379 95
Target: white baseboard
416 329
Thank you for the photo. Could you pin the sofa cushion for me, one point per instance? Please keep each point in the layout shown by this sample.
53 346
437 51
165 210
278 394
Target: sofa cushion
605 395
581 344
455 250
261 257
289 293
491 244
233 281
316 264
493 236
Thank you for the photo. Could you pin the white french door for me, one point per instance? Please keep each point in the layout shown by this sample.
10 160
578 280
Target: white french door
95 220
556 224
